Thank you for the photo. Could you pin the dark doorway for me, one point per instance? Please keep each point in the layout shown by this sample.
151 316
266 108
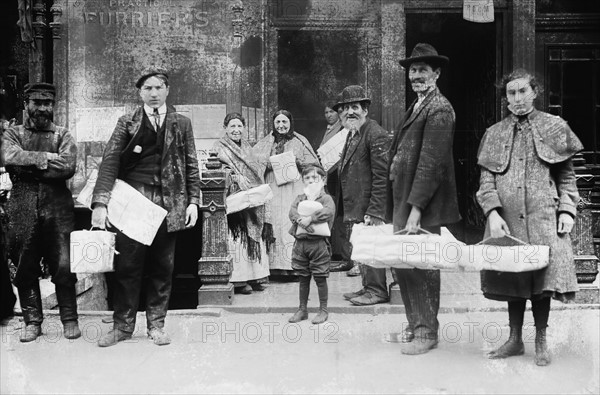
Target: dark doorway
313 66
468 82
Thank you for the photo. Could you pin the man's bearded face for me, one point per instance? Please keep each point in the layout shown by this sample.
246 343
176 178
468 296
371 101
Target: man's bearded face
353 116
41 112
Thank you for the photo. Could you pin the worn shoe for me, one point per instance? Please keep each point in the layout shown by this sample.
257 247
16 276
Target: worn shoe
340 266
352 295
71 330
159 336
367 299
113 337
258 287
355 271
419 345
245 290
513 346
321 317
542 355
298 316
30 333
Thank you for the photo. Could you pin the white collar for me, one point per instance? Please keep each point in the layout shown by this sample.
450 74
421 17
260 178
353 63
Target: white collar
162 110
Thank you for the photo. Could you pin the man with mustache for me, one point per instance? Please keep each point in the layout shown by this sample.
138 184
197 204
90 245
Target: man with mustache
422 189
361 195
40 157
151 149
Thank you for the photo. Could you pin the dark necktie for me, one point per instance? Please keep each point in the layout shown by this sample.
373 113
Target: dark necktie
156 117
351 143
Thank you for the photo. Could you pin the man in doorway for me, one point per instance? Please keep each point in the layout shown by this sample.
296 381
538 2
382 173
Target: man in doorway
152 150
334 126
333 122
40 157
422 189
361 195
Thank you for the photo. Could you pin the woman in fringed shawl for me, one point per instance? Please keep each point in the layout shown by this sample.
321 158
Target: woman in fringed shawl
282 139
246 227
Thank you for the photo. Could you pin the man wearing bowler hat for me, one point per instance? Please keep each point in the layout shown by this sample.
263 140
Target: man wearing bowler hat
152 149
40 157
361 193
422 189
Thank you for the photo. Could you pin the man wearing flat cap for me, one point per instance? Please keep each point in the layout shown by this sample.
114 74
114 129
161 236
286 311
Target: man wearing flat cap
40 157
152 149
361 195
422 189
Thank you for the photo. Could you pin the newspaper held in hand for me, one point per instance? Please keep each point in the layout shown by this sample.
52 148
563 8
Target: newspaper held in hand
92 251
331 152
284 167
128 210
252 197
380 247
306 208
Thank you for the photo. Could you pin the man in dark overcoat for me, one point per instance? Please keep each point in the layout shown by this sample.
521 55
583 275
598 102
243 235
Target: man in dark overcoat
40 157
361 193
152 150
422 189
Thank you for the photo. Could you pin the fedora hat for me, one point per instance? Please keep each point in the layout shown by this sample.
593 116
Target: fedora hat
351 94
425 53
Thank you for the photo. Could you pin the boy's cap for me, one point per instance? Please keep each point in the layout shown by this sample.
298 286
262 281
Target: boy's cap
150 72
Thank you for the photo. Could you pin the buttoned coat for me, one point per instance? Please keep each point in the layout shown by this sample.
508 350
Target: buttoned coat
422 165
363 174
179 175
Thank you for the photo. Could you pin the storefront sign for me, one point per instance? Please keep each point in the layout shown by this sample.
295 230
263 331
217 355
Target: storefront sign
480 11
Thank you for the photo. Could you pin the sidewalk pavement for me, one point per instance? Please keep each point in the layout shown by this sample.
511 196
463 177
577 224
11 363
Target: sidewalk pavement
460 292
224 352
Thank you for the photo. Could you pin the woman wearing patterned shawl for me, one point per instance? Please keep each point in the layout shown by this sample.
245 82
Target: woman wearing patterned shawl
247 227
282 139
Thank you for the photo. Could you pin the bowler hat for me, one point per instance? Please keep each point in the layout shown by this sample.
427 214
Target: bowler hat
352 94
150 72
39 91
425 53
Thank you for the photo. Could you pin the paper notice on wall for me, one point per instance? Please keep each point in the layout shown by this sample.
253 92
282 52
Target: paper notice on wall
96 124
207 119
128 210
331 152
480 11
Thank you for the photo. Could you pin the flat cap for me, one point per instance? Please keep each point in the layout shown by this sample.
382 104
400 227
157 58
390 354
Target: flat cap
151 72
39 91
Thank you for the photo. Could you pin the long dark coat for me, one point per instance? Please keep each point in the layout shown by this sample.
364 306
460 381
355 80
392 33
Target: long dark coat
40 209
422 166
363 174
180 179
528 177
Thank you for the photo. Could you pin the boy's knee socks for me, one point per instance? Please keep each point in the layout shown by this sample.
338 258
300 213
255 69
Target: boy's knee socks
304 291
323 291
